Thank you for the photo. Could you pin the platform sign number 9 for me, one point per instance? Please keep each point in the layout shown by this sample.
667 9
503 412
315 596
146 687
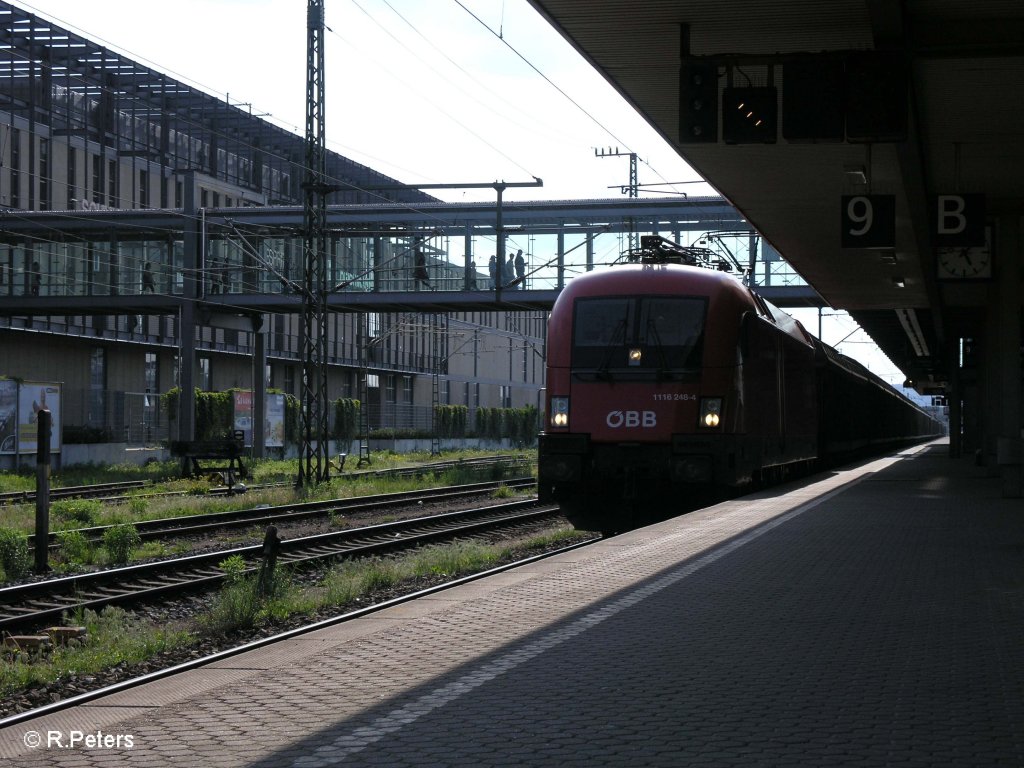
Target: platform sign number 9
868 221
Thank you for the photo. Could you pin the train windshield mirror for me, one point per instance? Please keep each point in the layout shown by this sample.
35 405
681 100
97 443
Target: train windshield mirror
668 330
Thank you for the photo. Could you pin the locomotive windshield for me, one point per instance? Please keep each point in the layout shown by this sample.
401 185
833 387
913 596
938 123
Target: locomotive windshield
637 335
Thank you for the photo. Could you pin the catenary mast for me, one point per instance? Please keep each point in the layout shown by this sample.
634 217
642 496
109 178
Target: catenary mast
314 462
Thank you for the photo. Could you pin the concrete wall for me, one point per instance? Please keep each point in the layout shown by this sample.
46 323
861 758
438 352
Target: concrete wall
110 453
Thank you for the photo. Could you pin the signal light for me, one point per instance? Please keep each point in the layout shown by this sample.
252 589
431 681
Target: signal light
698 102
750 115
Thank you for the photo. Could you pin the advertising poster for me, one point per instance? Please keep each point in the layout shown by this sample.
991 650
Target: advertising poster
243 414
34 396
8 415
274 434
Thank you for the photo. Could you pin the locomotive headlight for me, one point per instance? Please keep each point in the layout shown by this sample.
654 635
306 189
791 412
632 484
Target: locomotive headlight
560 412
710 412
635 355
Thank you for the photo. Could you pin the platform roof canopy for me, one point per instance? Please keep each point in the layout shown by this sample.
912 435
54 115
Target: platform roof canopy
896 102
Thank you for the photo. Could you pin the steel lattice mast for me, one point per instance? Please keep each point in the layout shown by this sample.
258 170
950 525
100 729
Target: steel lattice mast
314 454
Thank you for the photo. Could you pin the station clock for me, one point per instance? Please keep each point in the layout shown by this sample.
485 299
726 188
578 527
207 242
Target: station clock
965 262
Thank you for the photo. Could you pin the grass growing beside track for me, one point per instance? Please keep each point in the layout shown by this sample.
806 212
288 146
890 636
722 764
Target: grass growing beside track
78 513
118 640
261 471
114 637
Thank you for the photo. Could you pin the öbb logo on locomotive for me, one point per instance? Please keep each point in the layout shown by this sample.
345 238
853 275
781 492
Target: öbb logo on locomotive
616 419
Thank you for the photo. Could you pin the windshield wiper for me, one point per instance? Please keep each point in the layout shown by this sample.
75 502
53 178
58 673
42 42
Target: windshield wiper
618 334
652 331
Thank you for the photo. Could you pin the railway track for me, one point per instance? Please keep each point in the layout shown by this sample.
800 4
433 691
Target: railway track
196 525
74 492
174 666
36 604
113 492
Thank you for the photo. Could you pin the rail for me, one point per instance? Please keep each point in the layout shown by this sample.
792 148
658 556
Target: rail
36 603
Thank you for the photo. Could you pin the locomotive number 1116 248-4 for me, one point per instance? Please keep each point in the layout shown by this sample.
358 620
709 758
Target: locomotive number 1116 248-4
673 396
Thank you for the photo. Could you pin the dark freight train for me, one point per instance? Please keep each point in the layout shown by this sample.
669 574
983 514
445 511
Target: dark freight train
667 381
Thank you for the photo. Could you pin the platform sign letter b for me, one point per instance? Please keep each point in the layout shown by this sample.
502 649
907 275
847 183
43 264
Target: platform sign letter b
868 221
959 220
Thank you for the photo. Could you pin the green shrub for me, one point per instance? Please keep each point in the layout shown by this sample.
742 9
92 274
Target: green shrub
215 415
292 419
503 492
75 547
235 606
519 424
450 420
399 433
14 554
346 420
242 604
169 402
234 569
215 412
80 513
120 541
138 506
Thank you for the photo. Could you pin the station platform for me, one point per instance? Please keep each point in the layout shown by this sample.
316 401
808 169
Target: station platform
873 616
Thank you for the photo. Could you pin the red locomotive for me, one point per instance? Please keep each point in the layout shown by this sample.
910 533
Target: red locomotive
670 381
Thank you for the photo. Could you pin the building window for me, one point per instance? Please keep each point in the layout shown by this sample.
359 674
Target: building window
97 387
44 174
143 189
204 377
390 392
112 183
289 379
407 390
72 179
97 179
152 372
15 176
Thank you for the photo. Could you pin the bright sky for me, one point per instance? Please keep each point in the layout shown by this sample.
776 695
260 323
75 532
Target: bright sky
439 91
434 91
